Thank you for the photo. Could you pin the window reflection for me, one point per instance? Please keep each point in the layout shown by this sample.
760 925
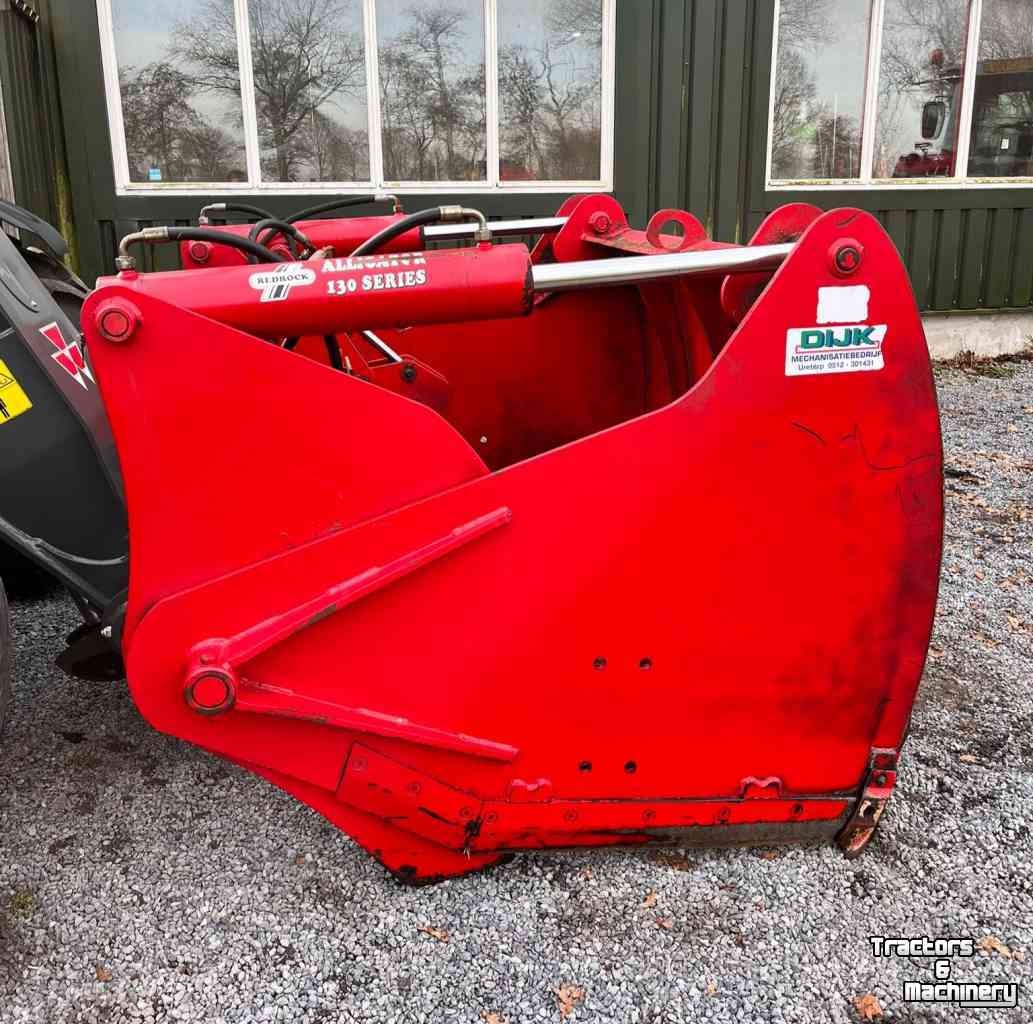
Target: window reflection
1002 118
819 89
309 64
432 89
920 86
6 182
180 90
550 74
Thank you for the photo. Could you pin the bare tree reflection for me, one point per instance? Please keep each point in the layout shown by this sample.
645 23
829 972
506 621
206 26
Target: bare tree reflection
164 129
432 93
810 136
304 53
570 18
182 112
550 95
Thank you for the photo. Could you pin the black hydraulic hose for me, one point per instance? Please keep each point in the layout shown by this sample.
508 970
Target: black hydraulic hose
254 211
399 227
337 204
333 351
271 227
252 248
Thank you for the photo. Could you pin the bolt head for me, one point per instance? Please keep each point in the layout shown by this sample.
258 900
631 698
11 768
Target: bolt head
200 252
210 692
846 256
116 324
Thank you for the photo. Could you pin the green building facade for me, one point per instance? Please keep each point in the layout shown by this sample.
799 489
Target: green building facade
124 113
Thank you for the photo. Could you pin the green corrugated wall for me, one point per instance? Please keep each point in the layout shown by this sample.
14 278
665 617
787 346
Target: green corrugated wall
691 131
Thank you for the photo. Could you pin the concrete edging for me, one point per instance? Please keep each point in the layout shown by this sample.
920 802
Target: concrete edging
990 334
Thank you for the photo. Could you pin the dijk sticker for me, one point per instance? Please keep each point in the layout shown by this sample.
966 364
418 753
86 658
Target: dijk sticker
814 350
13 400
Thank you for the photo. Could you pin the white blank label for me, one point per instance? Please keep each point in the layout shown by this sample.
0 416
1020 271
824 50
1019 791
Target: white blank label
843 304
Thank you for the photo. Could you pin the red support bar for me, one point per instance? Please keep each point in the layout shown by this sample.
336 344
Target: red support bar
280 702
242 648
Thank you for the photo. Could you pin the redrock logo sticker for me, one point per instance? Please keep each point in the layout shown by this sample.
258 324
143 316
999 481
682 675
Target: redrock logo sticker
275 285
813 350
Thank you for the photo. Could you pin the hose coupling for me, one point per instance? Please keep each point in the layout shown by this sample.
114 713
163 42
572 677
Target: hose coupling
127 262
389 197
453 214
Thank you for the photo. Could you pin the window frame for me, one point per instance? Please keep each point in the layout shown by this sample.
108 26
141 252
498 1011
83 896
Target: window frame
376 182
866 181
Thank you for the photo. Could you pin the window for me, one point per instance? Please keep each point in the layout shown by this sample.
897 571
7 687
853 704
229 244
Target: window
409 95
901 92
6 177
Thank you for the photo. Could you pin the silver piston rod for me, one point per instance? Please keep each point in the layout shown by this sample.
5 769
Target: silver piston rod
499 229
558 277
599 273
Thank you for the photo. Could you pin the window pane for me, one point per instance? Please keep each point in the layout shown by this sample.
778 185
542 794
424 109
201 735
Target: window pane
432 95
920 79
6 182
1002 120
550 89
180 86
309 64
819 89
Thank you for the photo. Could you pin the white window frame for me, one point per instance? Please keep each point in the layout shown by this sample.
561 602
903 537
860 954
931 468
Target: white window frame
255 186
6 170
866 181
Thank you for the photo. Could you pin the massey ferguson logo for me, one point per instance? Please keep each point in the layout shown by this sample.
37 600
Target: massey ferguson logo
275 285
68 355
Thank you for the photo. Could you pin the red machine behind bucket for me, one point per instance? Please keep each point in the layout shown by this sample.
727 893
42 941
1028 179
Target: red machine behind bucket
658 565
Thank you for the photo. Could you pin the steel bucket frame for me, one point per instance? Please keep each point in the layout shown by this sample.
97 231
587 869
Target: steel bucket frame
703 622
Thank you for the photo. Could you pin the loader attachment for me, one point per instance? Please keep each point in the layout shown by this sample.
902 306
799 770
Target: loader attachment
658 565
61 501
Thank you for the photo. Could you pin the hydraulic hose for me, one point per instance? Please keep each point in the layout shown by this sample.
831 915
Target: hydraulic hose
271 227
190 234
333 351
254 211
415 220
340 204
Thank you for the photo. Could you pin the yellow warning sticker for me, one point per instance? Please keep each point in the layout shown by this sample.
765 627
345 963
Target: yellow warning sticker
13 400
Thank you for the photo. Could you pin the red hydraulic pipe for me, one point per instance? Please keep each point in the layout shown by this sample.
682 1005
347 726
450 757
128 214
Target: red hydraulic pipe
324 296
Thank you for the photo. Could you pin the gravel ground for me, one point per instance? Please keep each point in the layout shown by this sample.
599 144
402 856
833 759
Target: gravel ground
142 879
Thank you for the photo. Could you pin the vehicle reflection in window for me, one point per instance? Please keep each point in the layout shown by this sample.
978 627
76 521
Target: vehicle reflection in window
1002 117
920 84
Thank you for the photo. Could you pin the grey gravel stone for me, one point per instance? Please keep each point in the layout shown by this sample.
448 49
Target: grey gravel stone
142 880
